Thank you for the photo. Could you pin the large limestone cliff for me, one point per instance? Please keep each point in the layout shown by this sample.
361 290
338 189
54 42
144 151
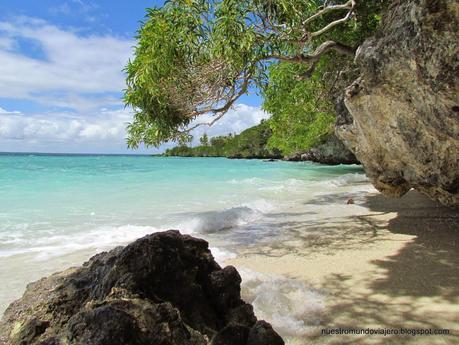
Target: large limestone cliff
404 108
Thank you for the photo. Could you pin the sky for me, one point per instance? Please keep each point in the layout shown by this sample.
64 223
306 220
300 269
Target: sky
61 77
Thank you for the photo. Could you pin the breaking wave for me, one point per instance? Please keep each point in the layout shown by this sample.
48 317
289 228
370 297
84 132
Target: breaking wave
292 307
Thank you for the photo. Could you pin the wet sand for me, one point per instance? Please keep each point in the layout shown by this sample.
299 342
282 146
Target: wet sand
395 266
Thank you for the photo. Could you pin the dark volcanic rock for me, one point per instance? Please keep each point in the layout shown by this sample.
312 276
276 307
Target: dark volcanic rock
163 289
404 108
263 333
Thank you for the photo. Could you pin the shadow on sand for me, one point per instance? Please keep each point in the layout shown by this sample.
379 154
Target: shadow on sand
418 287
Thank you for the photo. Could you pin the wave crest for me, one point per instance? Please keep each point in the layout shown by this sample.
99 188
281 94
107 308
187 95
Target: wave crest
216 221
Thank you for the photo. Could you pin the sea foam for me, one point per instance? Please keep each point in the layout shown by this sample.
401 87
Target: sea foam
291 306
97 239
220 220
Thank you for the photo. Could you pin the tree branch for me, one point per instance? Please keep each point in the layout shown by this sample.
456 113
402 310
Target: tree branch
315 56
222 110
267 26
311 58
334 23
347 6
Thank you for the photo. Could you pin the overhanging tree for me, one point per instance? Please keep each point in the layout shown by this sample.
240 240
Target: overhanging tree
196 57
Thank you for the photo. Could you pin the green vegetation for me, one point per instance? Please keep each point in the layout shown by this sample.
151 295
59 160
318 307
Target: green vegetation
251 143
196 57
301 97
301 116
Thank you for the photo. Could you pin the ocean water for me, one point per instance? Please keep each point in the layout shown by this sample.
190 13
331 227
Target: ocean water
58 210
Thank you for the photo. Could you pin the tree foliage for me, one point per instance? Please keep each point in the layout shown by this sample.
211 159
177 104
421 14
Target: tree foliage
302 113
196 57
303 108
204 140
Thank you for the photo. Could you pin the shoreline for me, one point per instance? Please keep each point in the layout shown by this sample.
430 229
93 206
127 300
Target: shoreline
232 203
319 263
396 266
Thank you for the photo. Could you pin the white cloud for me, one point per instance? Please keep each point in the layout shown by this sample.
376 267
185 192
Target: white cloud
104 129
74 65
76 77
105 126
6 43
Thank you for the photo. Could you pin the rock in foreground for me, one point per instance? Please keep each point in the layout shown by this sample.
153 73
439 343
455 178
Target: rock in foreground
163 289
405 106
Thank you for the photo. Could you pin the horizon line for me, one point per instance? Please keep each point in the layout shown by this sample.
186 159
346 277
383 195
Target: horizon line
74 153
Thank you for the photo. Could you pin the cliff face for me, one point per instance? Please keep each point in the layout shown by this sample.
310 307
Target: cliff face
163 289
332 152
405 105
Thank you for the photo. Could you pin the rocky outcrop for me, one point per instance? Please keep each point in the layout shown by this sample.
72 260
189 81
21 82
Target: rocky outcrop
331 152
405 105
163 289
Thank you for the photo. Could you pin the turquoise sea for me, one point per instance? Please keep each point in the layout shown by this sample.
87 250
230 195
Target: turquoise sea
58 210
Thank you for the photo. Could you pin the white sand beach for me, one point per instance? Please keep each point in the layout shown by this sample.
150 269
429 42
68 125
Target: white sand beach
394 266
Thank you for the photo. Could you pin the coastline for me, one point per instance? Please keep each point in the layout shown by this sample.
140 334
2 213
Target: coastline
395 266
88 204
329 214
309 260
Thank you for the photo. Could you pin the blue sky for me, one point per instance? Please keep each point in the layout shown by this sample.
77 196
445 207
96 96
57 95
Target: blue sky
61 76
